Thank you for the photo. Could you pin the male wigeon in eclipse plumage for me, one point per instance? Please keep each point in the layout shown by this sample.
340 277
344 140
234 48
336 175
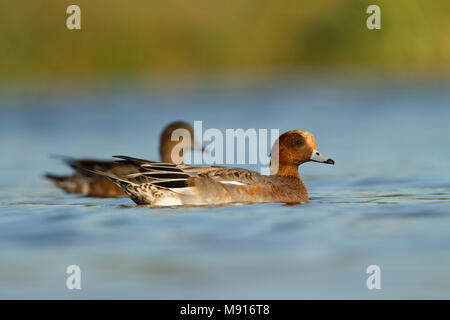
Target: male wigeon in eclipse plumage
90 184
165 184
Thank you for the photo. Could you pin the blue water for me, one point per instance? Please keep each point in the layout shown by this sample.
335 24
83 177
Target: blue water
386 202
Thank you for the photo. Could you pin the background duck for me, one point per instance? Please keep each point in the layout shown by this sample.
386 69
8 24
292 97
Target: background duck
93 185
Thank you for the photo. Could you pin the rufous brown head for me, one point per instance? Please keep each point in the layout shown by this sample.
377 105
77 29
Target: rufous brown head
294 148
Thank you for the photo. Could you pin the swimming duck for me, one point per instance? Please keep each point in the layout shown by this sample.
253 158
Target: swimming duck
90 184
165 184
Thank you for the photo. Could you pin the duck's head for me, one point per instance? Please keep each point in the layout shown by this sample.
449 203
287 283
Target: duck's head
294 148
175 139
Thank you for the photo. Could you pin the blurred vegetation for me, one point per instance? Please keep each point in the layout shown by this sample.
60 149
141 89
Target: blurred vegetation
131 38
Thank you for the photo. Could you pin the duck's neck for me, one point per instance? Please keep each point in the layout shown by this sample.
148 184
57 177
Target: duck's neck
286 170
166 154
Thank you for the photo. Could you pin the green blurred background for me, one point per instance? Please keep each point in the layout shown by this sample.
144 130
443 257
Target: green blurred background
147 37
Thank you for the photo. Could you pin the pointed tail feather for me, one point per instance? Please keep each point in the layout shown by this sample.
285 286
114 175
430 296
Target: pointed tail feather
53 177
66 159
142 162
69 184
122 182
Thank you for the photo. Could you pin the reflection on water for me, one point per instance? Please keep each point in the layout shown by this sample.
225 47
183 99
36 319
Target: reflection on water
385 202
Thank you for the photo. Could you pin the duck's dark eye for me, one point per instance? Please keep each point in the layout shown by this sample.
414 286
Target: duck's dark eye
298 142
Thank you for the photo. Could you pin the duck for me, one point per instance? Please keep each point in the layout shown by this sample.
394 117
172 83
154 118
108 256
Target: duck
162 184
89 184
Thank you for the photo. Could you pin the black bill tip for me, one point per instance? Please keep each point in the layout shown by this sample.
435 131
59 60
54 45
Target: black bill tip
330 161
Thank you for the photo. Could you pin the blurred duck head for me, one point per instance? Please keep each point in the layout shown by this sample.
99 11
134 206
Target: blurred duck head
176 138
